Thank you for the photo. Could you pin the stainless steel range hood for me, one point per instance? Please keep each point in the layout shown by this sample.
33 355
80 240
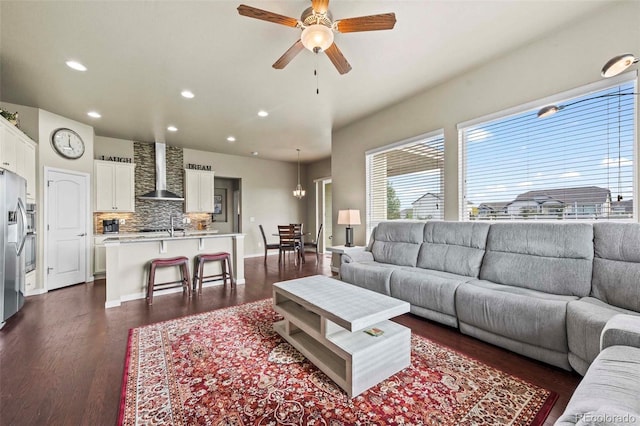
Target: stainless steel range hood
161 193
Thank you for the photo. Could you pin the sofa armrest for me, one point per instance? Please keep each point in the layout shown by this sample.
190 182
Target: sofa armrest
356 254
621 330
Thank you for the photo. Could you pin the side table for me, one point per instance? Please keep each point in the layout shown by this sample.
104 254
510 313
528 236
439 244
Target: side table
336 256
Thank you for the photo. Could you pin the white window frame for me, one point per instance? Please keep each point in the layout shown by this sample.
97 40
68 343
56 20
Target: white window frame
383 149
533 106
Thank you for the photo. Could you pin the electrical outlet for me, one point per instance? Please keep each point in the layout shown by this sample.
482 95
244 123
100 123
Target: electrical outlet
252 219
123 221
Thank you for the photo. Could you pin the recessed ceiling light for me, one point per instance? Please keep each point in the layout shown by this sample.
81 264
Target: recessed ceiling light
94 114
76 65
187 94
172 128
254 153
263 113
231 139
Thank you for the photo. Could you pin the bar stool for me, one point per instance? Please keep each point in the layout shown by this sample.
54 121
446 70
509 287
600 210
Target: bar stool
181 262
198 269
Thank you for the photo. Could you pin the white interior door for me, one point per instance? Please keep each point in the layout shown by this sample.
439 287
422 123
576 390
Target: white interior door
66 227
323 212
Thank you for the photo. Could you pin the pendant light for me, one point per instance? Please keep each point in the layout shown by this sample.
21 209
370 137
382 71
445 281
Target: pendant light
299 192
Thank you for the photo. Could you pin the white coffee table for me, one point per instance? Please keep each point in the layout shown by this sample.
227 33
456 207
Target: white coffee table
325 319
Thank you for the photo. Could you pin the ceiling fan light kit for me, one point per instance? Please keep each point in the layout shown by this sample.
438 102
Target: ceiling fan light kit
317 38
318 28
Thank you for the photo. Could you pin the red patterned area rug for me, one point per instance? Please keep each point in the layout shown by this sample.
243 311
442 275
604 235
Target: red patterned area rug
228 367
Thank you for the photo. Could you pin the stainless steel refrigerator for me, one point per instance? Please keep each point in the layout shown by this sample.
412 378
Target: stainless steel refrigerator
13 234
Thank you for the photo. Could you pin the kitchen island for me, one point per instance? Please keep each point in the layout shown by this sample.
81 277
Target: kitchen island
127 260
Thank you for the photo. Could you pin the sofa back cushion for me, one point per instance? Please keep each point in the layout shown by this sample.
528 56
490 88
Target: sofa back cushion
397 242
551 257
616 265
456 247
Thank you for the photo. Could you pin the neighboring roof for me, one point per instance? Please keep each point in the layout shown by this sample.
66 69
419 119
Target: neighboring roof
580 195
438 196
498 205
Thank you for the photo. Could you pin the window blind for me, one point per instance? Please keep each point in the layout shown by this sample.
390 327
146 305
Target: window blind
406 181
576 164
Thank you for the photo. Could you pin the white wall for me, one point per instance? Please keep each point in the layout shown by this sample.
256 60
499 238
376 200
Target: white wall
266 187
27 116
47 157
112 147
316 170
564 60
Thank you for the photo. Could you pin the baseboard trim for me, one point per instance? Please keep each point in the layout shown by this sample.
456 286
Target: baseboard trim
35 292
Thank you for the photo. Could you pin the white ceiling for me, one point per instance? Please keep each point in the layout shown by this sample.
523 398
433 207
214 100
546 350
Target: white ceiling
141 54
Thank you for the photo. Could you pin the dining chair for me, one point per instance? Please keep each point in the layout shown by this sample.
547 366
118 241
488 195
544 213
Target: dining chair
314 244
267 246
298 229
288 242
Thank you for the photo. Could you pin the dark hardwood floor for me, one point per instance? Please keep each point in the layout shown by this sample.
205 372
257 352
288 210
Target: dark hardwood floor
62 356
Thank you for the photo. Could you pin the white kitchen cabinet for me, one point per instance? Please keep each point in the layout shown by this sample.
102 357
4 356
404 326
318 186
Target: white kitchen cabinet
198 190
18 154
114 186
26 166
9 141
30 281
30 165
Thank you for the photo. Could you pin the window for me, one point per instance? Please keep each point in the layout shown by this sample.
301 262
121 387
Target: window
575 164
406 180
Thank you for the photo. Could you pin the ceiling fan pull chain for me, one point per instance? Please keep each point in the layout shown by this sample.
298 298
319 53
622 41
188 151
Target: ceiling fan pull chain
315 72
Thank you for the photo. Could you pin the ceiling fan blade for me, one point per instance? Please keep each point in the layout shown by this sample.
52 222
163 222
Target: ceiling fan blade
265 15
338 59
320 6
384 21
291 53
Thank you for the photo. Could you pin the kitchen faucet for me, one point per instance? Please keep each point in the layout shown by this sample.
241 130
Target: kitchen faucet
172 230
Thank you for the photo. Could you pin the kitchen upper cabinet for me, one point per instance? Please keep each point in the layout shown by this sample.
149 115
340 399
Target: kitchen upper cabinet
114 186
198 190
18 155
9 141
26 166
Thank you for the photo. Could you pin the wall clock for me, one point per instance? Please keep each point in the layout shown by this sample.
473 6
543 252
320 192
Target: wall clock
67 143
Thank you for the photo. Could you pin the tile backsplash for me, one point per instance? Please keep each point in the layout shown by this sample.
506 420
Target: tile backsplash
151 213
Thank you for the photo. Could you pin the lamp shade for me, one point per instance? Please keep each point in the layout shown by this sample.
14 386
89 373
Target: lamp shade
349 217
317 37
617 64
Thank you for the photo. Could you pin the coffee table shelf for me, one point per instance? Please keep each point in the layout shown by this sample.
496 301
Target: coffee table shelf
325 320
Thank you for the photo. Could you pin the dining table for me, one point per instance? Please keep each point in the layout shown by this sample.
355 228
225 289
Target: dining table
300 238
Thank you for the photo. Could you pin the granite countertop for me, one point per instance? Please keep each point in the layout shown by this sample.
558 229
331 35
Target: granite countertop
164 236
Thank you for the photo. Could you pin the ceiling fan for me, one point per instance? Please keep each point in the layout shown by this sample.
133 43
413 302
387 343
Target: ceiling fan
317 26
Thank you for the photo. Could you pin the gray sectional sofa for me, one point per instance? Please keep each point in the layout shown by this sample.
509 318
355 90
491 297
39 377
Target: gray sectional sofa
546 290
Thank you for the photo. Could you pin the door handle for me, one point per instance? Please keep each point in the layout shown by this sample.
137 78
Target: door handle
23 216
82 235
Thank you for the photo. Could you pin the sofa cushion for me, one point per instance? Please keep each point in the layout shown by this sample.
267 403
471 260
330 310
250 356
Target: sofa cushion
551 257
585 320
398 243
456 247
616 266
433 290
608 393
517 313
371 275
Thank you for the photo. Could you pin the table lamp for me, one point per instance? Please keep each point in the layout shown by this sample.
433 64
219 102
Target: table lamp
349 217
